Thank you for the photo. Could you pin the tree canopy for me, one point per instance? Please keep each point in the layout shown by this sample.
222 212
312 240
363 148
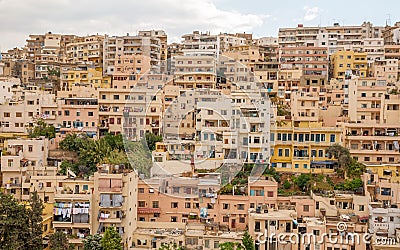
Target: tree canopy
108 149
59 241
92 242
20 224
41 128
111 240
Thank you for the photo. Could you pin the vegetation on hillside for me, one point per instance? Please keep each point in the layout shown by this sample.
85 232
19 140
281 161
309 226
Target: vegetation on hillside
20 224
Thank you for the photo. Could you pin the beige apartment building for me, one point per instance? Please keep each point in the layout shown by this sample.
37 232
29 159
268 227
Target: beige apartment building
25 106
147 44
114 203
313 61
21 159
333 37
386 70
85 50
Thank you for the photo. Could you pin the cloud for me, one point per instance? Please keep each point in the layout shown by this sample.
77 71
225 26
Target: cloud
311 13
176 17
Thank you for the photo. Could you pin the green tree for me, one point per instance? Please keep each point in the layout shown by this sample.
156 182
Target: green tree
342 155
41 128
303 181
355 169
287 184
270 171
14 223
73 142
59 241
170 246
230 246
111 240
248 242
35 222
151 140
74 167
92 242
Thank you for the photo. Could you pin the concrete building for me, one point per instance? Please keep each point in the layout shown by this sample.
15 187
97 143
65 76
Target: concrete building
21 159
147 44
114 202
300 146
85 50
344 61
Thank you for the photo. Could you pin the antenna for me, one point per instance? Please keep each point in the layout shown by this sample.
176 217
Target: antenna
388 20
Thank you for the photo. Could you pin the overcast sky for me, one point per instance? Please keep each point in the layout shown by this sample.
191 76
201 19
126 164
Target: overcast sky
19 18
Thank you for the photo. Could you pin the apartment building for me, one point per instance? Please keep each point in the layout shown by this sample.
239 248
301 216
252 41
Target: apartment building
344 61
300 146
372 143
194 200
21 159
145 44
73 211
114 203
374 47
25 106
128 70
266 223
194 71
386 70
390 34
333 37
85 50
199 43
312 60
87 76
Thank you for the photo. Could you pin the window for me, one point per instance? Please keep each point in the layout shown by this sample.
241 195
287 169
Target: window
306 208
18 114
280 152
116 97
90 113
240 206
316 232
141 190
142 203
30 148
225 206
361 208
155 204
287 152
332 138
174 219
66 112
225 219
174 204
270 194
187 204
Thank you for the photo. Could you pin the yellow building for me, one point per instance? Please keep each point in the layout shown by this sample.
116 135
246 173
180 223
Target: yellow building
301 146
386 171
84 76
348 60
47 223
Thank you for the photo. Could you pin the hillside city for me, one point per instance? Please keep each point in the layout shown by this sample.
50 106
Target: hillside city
220 141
